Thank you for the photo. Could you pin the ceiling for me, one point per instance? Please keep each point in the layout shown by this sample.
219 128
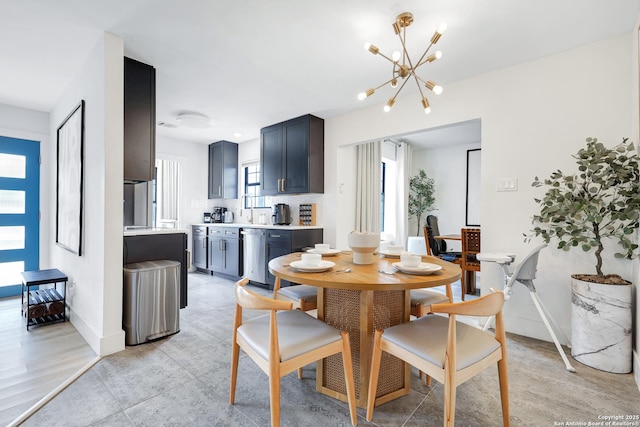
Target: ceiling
250 63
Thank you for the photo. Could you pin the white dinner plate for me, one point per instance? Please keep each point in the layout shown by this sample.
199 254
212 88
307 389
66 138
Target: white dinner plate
423 269
387 254
330 252
322 266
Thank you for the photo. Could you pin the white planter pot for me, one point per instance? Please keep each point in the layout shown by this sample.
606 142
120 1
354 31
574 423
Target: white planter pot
601 325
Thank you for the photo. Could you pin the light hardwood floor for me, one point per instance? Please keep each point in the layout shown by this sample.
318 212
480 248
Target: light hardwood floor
34 363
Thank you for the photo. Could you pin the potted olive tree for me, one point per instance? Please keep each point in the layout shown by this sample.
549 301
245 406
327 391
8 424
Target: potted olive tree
582 210
421 196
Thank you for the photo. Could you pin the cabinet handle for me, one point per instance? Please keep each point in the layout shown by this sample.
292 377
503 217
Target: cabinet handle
204 244
279 185
283 185
219 190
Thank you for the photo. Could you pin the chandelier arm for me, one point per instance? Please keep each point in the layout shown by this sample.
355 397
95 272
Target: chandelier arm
418 84
420 61
383 84
400 88
386 57
405 55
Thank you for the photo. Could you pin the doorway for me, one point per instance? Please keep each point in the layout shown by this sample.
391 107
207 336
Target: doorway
19 211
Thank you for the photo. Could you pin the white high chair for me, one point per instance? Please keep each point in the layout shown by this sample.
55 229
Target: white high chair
524 273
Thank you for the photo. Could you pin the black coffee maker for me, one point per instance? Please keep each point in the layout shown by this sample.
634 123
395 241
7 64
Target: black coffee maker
281 214
218 214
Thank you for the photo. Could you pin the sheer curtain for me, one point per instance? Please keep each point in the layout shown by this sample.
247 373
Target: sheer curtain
168 192
403 165
368 187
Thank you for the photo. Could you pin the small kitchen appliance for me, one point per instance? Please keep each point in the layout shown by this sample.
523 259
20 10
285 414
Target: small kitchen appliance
207 217
218 214
281 214
228 216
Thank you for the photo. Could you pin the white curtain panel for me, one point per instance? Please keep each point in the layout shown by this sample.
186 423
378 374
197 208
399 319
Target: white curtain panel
368 187
169 190
403 165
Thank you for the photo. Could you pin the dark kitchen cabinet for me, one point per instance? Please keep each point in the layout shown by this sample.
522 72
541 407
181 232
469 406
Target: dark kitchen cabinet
292 156
223 170
139 121
282 242
152 247
199 247
225 251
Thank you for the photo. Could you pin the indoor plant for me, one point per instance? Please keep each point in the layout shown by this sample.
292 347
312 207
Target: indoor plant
421 196
601 201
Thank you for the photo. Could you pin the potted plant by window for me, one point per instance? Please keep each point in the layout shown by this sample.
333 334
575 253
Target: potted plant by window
421 201
421 196
582 210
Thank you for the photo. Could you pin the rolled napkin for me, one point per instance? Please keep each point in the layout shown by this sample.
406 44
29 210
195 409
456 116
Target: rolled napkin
56 307
36 311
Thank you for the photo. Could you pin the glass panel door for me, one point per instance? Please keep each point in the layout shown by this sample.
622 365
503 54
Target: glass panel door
19 211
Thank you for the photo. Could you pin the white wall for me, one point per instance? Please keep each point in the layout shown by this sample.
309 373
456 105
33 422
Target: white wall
534 117
448 168
95 294
33 125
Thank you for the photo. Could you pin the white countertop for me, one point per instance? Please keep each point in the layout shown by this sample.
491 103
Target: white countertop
148 231
247 225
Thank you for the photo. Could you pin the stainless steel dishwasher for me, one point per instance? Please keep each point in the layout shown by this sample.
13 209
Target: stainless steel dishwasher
254 243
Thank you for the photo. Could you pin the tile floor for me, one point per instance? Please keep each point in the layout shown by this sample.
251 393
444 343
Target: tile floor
183 380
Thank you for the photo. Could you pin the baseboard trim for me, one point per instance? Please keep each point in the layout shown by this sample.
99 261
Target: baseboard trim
636 368
101 345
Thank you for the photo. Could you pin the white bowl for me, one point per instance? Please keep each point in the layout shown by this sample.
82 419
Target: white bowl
311 260
363 246
323 247
410 260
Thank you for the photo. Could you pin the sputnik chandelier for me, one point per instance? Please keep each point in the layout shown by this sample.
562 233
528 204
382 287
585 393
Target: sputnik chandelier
406 69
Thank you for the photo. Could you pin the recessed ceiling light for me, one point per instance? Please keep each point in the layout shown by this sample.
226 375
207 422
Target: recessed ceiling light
194 120
237 134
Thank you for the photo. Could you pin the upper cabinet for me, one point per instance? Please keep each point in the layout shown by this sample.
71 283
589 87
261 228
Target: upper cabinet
139 121
292 156
223 170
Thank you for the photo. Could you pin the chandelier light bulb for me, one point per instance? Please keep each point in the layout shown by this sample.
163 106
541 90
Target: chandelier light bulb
437 89
389 104
427 110
396 56
362 96
442 28
371 48
394 82
425 105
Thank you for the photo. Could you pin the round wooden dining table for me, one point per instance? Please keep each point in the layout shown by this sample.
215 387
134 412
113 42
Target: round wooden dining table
360 299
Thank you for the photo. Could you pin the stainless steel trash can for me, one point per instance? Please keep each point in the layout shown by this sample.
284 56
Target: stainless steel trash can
151 300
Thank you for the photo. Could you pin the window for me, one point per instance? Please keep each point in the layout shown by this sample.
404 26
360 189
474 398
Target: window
252 188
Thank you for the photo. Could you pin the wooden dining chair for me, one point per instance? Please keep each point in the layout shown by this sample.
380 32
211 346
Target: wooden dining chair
469 262
282 341
449 351
304 297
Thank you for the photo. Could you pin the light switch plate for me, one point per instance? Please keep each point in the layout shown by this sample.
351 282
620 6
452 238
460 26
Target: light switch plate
507 184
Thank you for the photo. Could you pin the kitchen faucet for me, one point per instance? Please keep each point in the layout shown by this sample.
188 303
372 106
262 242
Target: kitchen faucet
242 199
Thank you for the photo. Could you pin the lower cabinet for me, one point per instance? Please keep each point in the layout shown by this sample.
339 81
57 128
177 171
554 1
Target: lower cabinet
199 247
225 251
282 242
